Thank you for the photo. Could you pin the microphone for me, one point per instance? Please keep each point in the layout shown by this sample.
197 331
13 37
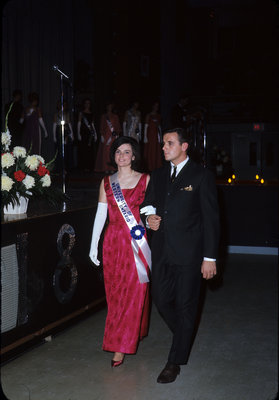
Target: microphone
55 68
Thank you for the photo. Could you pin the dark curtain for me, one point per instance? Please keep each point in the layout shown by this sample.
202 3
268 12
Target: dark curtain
37 35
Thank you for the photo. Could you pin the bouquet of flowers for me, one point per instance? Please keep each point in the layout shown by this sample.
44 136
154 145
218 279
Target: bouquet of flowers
24 174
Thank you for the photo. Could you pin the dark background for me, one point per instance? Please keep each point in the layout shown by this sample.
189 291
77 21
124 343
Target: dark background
217 51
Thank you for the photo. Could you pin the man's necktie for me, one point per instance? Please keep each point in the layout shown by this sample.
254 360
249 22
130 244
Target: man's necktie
173 175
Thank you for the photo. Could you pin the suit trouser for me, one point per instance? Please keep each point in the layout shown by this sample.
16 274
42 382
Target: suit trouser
175 292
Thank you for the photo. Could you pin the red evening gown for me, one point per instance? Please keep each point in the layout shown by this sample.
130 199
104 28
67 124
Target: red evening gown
153 149
103 154
127 299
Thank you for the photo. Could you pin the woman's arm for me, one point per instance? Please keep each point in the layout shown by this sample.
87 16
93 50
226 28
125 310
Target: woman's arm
102 193
99 222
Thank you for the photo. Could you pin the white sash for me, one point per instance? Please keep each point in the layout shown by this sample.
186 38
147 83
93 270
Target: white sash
110 125
137 230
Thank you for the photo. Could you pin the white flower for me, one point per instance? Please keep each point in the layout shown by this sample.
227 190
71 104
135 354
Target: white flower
46 181
28 181
32 162
6 139
6 183
7 160
19 151
40 158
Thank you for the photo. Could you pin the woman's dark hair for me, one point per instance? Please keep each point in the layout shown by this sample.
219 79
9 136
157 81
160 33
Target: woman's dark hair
107 103
135 149
183 135
33 97
85 100
17 92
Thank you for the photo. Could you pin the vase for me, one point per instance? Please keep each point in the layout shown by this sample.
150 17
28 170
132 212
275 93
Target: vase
20 208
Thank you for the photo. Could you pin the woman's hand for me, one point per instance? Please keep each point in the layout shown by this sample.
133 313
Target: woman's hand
93 254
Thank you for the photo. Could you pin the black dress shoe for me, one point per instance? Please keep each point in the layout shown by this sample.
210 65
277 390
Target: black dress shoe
169 373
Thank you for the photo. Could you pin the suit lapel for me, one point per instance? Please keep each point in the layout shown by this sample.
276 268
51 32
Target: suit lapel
167 176
175 184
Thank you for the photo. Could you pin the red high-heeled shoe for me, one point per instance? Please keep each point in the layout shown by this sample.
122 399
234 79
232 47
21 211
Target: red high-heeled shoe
116 363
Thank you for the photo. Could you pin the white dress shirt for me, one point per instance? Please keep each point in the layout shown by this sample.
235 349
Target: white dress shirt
179 166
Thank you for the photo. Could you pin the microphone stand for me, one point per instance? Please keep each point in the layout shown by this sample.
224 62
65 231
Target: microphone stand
62 75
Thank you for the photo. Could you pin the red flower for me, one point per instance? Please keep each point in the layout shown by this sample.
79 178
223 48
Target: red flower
19 175
42 171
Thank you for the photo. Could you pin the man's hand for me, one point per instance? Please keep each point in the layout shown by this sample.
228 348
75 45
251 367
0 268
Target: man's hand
208 269
154 221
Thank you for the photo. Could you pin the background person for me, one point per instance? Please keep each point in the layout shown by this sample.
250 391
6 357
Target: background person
110 129
153 139
87 137
15 118
33 124
132 122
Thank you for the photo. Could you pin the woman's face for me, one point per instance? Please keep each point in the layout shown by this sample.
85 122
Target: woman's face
87 104
34 103
155 107
136 105
124 155
109 107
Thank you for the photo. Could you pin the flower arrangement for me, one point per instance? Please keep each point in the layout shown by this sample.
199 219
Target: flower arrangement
24 174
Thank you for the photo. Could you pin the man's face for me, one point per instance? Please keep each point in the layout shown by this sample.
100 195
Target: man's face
173 150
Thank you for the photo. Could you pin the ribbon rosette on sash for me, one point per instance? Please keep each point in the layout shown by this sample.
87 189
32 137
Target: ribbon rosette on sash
137 230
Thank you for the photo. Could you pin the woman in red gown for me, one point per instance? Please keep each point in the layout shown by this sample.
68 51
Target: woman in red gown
153 139
110 129
127 298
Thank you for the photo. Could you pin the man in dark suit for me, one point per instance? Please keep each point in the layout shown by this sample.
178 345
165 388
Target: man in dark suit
182 211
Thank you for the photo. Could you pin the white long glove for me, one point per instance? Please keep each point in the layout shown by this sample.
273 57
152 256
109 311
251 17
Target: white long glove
95 133
41 121
54 132
71 130
148 210
139 134
78 131
99 222
124 128
145 140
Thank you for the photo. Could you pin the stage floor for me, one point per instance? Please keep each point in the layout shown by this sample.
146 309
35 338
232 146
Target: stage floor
234 356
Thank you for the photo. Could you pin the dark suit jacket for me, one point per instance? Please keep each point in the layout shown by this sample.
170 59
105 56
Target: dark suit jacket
189 229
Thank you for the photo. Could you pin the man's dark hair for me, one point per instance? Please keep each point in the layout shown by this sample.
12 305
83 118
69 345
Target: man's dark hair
183 135
135 149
